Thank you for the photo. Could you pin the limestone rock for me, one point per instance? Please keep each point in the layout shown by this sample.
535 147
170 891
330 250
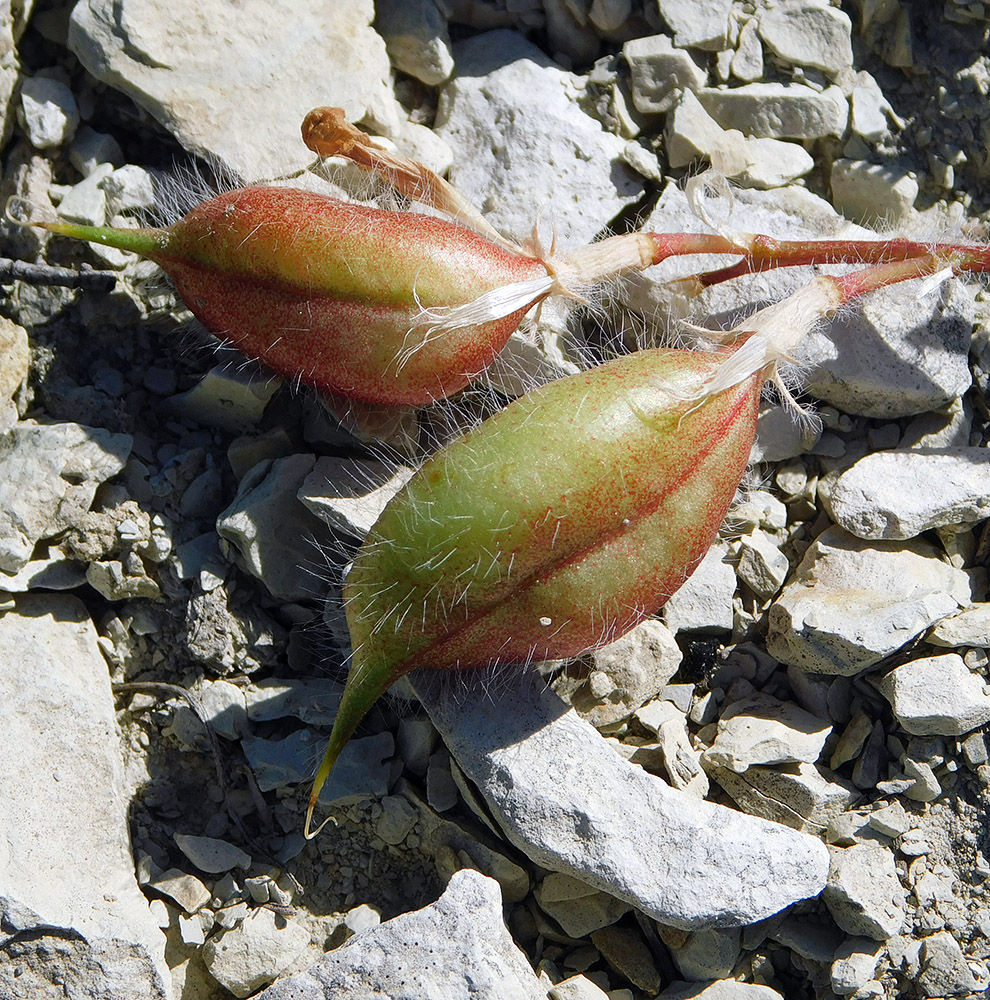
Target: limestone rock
271 533
73 919
14 361
572 805
779 110
49 474
937 696
262 71
871 193
851 603
762 730
971 627
417 39
704 601
863 893
522 146
698 24
901 493
455 949
576 906
660 72
254 952
809 33
48 112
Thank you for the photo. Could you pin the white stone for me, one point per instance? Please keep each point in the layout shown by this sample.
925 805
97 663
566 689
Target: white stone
773 163
868 108
48 112
232 396
15 361
872 192
723 989
90 148
236 83
271 533
350 493
185 889
809 33
86 202
457 948
49 474
805 796
68 894
704 602
762 730
779 110
863 893
523 149
576 906
698 24
252 954
762 566
397 819
971 627
569 802
901 493
609 15
937 696
577 988
209 854
417 39
128 189
851 603
945 970
854 965
747 62
659 72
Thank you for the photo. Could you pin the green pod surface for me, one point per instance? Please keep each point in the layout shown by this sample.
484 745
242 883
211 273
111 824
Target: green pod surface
556 526
331 293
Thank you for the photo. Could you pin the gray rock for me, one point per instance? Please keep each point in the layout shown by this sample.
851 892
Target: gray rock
49 474
698 24
523 147
625 674
416 739
873 193
660 72
417 39
255 951
576 906
707 954
48 112
129 188
895 355
577 988
762 730
86 202
747 62
73 918
704 602
361 771
900 494
573 805
854 965
863 893
90 148
232 396
350 493
185 889
779 110
809 33
937 696
209 854
851 603
15 359
869 108
271 533
397 819
726 989
313 701
625 950
323 54
805 796
945 971
762 566
455 949
971 627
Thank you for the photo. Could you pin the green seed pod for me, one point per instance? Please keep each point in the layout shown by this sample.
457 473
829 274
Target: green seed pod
346 298
556 526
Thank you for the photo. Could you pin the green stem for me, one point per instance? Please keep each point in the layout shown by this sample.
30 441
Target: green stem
148 243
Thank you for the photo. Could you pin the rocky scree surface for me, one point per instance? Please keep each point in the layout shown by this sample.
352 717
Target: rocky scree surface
778 788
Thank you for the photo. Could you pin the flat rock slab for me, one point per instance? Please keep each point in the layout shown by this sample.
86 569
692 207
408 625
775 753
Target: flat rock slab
850 602
901 493
235 82
75 917
573 805
523 147
457 948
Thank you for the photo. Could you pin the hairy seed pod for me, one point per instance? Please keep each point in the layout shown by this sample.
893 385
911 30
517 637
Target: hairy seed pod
346 298
555 526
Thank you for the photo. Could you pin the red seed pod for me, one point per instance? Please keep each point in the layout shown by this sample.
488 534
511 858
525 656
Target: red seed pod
555 526
346 298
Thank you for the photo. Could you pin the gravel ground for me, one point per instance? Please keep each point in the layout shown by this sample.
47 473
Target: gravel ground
175 520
